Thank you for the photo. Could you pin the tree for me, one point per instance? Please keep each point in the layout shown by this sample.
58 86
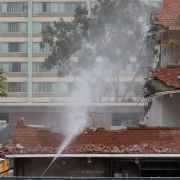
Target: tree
3 86
111 36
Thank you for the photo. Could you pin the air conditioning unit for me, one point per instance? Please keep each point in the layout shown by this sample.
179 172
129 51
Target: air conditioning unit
52 100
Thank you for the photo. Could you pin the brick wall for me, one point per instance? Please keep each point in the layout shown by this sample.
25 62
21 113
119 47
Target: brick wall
168 16
156 136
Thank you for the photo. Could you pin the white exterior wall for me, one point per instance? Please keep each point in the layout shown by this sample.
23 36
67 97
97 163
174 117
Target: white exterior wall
171 110
165 111
154 116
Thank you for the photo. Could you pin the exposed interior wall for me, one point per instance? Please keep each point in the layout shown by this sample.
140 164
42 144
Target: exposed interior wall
171 110
154 116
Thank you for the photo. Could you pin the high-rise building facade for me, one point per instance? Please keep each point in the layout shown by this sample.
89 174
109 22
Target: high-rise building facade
21 22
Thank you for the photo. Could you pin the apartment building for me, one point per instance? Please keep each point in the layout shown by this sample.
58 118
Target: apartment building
21 22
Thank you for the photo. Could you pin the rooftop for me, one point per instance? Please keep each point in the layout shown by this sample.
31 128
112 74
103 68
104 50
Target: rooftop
168 75
28 141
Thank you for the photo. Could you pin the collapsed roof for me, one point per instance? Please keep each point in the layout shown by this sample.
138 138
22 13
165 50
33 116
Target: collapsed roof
94 140
163 80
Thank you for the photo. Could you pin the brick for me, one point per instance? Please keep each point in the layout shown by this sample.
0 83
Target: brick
168 15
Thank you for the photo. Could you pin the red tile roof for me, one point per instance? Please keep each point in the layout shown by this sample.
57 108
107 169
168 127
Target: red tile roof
31 140
168 75
169 17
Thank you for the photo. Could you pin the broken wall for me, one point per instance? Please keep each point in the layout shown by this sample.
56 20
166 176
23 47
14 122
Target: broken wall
30 140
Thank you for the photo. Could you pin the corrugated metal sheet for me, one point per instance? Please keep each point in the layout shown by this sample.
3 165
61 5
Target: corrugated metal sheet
6 133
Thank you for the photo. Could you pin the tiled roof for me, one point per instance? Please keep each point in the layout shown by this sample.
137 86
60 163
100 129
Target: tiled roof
168 75
95 140
169 17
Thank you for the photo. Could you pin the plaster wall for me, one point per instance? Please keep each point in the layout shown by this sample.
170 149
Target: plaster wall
165 111
154 116
170 110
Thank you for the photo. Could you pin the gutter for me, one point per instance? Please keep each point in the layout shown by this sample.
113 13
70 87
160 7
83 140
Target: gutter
93 155
162 94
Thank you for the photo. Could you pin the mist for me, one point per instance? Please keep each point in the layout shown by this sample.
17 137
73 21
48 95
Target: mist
98 70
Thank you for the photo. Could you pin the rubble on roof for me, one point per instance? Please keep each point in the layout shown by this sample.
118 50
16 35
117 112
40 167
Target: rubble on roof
92 149
93 129
122 149
94 140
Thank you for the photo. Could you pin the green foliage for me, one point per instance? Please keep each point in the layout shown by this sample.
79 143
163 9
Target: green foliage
113 34
171 43
3 86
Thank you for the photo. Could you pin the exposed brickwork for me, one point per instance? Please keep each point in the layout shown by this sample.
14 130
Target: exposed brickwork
168 75
45 141
169 15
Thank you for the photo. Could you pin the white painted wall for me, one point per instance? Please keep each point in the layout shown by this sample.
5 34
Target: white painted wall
171 110
154 116
165 111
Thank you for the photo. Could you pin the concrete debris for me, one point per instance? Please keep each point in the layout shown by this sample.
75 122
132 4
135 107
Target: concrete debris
93 129
92 149
32 150
18 146
134 149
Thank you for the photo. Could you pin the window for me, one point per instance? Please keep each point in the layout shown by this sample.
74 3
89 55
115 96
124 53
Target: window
55 7
36 47
37 67
45 7
69 6
63 87
14 7
14 47
38 26
131 67
17 87
125 119
14 27
93 4
14 66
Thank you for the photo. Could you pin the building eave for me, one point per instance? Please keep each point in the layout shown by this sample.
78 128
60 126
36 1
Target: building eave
158 94
156 30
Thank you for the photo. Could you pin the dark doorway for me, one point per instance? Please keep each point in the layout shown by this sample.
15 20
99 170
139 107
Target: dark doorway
160 168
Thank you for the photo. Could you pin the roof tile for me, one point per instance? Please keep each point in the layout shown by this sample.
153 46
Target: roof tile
169 17
168 75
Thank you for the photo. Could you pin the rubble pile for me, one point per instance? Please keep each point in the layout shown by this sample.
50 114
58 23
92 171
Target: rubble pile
101 149
18 149
93 129
91 149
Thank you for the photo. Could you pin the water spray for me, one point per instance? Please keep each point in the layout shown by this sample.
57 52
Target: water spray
78 121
